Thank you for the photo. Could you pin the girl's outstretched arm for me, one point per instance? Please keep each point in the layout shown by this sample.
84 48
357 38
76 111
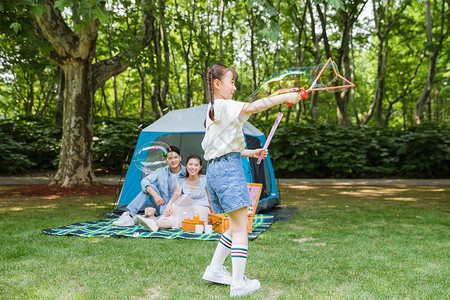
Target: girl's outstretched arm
266 103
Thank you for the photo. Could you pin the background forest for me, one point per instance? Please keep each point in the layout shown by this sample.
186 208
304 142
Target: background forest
154 55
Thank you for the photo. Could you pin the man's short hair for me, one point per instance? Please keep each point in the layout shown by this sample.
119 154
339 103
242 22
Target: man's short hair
175 149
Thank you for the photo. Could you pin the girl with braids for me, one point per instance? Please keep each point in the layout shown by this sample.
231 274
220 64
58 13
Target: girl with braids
224 145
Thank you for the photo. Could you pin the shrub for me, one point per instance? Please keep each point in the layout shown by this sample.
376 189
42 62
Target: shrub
114 140
325 151
30 144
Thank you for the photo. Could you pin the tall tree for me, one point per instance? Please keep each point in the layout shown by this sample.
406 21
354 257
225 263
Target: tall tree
187 45
32 80
434 45
345 19
317 59
221 14
252 26
385 17
72 42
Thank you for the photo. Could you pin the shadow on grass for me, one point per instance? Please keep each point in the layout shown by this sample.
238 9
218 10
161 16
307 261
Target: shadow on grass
329 196
30 205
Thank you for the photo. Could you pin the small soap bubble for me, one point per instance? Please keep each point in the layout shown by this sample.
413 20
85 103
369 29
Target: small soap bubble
151 156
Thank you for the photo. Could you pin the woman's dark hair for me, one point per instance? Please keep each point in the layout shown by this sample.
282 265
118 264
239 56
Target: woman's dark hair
217 71
196 157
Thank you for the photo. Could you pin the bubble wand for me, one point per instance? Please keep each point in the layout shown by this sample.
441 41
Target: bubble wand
304 93
300 78
269 138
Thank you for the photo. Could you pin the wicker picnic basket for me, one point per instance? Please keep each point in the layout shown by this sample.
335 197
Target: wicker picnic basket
221 223
189 225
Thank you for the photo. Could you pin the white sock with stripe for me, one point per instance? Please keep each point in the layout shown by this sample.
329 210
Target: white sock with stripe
222 251
238 261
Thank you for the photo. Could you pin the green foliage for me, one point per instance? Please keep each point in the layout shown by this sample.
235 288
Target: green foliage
277 46
30 144
424 151
326 151
114 138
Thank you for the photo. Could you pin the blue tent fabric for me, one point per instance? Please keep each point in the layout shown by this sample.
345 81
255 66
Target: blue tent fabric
184 128
104 228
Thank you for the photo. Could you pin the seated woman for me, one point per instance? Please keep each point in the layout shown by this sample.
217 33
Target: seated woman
190 198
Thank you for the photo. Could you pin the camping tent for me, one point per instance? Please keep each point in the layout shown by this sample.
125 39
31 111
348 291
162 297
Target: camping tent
184 128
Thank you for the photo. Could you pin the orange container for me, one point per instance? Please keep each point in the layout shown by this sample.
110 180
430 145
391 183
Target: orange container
221 223
189 225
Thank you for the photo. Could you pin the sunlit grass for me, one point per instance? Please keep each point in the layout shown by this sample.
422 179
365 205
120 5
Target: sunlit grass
343 243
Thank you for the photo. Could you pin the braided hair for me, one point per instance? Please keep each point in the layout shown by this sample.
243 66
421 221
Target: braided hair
216 71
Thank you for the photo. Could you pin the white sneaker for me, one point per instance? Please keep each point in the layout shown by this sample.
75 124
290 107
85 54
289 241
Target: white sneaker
124 220
246 287
149 224
220 275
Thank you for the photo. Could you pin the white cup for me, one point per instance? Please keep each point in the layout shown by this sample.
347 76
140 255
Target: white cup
208 229
199 229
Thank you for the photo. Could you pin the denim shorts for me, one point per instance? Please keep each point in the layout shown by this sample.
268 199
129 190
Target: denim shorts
226 183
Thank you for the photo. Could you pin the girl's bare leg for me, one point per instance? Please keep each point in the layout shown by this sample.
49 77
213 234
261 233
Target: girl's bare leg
238 226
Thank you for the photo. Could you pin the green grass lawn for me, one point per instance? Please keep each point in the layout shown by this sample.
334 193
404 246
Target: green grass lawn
343 243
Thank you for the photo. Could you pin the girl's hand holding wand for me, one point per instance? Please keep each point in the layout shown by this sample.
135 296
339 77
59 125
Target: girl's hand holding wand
255 153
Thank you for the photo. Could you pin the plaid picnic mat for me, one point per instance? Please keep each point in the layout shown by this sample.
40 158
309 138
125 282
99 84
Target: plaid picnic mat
104 228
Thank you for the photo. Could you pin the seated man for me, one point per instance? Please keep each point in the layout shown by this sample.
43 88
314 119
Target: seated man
158 187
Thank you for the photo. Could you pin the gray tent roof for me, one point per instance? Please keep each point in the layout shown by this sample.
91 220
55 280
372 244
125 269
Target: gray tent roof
190 120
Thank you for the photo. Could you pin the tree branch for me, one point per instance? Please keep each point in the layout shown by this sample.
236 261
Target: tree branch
147 23
105 69
56 31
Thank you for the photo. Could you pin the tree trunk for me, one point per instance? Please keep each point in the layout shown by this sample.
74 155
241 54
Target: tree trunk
187 51
344 62
165 41
434 52
251 24
74 53
352 91
142 92
116 97
378 94
77 154
114 81
105 100
384 22
299 23
222 9
346 20
317 60
60 102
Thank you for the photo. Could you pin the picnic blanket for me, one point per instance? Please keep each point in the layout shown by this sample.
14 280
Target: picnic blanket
104 228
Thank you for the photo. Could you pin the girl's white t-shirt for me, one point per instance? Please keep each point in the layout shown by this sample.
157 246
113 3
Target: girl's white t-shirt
225 134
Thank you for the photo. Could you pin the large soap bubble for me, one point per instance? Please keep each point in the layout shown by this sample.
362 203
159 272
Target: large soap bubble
151 156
